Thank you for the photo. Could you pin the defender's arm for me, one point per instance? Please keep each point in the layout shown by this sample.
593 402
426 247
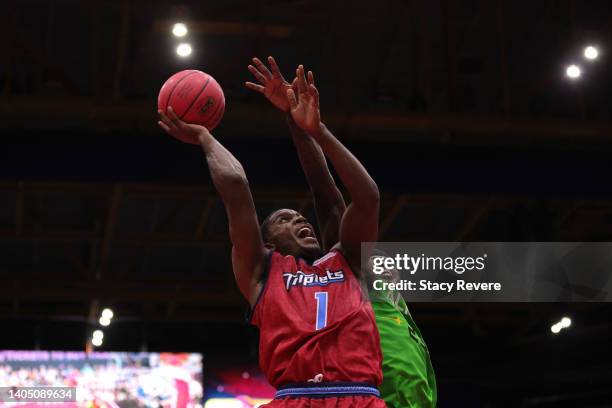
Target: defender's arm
360 220
328 201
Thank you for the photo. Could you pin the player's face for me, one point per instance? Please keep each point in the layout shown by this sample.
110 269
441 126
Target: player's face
291 234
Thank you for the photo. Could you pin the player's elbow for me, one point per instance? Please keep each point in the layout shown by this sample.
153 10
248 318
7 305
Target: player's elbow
370 198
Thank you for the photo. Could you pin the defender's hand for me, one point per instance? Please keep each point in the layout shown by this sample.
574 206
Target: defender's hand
305 106
175 127
271 84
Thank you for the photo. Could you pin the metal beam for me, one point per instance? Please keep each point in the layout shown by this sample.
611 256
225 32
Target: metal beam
184 239
198 193
89 116
212 293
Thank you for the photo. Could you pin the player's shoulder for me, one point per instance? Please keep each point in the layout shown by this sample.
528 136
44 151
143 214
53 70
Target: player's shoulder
325 258
279 261
277 257
334 256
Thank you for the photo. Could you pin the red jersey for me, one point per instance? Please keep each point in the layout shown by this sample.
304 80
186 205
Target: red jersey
315 323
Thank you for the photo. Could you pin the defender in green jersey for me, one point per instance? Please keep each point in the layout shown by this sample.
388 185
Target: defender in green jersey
408 378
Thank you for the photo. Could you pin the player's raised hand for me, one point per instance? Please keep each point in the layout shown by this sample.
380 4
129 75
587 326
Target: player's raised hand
272 84
305 105
174 126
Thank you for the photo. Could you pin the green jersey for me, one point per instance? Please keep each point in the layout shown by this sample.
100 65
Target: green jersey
408 376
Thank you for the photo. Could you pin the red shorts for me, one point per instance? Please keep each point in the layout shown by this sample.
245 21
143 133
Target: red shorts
329 402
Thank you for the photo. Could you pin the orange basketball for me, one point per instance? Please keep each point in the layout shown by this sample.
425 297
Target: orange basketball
195 97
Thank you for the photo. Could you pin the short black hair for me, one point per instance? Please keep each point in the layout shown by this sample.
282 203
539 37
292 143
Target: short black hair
265 227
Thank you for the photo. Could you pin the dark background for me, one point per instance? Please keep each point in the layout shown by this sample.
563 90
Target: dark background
459 109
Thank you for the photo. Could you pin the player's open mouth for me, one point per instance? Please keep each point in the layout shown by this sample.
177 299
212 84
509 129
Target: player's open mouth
306 232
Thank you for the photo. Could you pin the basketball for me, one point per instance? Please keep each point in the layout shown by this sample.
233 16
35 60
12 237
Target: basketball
195 97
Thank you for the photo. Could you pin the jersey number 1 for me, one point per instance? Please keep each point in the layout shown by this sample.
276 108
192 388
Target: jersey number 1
321 321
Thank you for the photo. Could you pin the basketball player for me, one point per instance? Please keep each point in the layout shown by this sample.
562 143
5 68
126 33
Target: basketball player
318 340
408 377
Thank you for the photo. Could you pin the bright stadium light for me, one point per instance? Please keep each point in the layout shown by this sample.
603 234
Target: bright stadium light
183 50
179 30
104 321
98 334
555 328
107 313
565 322
96 341
573 71
591 53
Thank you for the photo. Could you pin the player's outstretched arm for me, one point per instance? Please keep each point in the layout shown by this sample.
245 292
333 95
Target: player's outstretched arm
229 178
360 220
328 201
